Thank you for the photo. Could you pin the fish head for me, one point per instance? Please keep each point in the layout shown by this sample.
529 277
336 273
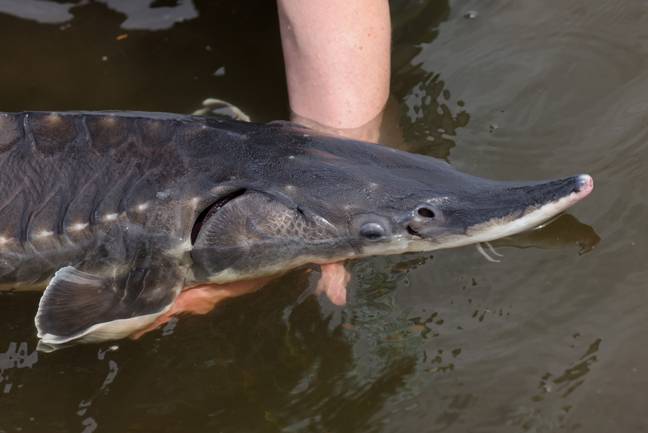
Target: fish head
339 200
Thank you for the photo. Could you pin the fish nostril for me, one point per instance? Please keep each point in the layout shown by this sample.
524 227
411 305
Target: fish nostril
425 212
372 231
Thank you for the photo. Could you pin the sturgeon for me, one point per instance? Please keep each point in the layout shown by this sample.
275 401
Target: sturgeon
115 213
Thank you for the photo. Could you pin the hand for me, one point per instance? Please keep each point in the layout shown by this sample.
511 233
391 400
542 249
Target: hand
333 282
204 298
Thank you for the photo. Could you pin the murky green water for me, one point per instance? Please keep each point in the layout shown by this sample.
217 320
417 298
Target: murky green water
550 339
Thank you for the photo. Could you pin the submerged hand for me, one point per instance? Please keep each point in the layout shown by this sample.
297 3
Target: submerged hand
200 300
333 282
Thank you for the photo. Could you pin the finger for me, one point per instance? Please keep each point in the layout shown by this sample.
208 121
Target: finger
333 282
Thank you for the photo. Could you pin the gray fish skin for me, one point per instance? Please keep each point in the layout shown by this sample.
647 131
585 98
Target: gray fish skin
110 198
71 182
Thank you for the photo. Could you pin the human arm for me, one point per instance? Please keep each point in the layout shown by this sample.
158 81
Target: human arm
337 57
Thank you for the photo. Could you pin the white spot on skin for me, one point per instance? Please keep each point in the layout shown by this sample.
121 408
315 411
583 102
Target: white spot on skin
218 189
4 240
142 207
437 200
110 217
291 157
109 120
194 202
77 227
162 195
290 188
44 234
373 186
180 249
53 118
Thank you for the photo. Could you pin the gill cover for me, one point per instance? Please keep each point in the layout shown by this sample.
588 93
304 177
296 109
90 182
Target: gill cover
234 235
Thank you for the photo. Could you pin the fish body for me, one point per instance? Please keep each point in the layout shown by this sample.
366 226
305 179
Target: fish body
116 212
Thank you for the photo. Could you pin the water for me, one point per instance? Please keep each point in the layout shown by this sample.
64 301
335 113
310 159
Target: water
550 339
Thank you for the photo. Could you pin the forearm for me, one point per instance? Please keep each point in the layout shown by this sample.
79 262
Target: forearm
337 56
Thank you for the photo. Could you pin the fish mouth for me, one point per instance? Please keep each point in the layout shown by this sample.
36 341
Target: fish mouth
543 202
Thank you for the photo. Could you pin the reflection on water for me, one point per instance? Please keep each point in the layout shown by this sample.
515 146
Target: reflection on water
231 51
16 356
566 230
429 118
88 423
551 338
553 392
139 15
433 123
572 377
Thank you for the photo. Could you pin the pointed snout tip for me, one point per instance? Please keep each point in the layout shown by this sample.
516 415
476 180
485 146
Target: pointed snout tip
583 188
585 185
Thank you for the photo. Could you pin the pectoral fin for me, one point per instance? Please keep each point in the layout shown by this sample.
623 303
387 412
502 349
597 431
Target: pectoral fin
104 305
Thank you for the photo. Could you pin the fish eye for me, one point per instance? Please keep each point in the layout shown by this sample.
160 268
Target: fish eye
372 231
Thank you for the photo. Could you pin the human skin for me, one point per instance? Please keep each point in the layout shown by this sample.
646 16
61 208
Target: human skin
337 60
